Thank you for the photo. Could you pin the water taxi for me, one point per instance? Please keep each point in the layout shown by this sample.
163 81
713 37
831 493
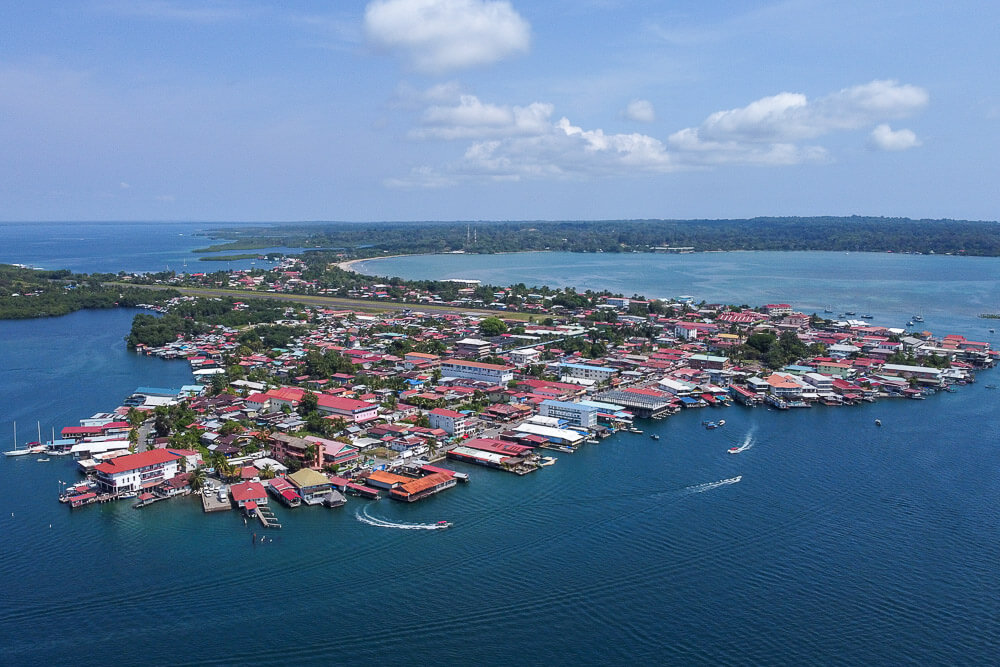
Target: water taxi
443 524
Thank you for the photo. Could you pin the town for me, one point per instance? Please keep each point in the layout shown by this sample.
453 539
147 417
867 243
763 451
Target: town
323 404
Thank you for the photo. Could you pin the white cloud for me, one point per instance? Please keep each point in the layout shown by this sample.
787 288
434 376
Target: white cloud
444 35
511 142
640 111
789 117
472 119
124 186
885 138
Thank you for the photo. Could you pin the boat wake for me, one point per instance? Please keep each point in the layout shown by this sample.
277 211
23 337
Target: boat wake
364 517
702 488
747 443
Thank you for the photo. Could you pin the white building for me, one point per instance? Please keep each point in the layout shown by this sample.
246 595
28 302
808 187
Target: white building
475 370
575 414
588 372
134 472
454 423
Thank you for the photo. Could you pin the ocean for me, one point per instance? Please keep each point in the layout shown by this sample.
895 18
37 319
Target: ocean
841 543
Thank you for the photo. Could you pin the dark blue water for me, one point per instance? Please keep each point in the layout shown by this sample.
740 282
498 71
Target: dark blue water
842 544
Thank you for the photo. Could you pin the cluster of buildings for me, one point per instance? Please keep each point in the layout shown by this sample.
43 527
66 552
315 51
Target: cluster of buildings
426 387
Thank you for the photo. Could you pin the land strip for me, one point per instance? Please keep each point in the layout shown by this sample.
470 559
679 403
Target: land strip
329 301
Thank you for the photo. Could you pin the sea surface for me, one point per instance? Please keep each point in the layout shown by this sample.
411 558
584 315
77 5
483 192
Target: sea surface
841 543
110 247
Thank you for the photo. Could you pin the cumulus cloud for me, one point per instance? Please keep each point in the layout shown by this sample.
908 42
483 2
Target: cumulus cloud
471 119
514 142
443 35
789 117
884 138
641 111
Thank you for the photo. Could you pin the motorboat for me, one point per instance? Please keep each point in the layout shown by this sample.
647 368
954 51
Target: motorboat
878 422
655 436
443 524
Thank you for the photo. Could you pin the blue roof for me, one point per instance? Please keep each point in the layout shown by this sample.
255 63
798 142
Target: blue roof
156 391
587 367
568 405
687 399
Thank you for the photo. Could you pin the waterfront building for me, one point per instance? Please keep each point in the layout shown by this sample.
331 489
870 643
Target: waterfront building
575 414
559 436
922 374
248 492
134 472
417 489
312 487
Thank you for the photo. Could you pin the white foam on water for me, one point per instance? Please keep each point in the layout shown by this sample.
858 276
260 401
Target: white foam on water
364 517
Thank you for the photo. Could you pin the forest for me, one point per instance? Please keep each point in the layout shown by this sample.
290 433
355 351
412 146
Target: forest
28 293
853 234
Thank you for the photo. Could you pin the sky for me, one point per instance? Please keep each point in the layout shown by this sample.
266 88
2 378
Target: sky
248 110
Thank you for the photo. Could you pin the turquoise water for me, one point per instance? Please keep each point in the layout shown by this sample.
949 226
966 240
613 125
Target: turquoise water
111 247
843 543
947 291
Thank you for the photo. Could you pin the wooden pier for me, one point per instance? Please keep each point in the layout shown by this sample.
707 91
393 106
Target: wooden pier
266 516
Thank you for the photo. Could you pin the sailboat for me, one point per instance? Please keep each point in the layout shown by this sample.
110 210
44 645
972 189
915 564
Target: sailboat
16 452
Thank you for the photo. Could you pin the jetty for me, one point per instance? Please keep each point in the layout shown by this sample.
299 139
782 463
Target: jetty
212 503
263 513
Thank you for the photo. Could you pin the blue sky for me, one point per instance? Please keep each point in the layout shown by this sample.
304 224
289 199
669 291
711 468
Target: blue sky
490 110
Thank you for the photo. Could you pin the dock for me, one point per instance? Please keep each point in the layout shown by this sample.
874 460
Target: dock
266 516
211 503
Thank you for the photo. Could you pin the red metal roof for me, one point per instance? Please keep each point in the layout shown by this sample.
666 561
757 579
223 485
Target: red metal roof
135 461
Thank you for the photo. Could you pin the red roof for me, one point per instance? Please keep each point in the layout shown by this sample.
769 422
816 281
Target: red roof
247 491
135 461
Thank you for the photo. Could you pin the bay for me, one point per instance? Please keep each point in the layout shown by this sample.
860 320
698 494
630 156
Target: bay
110 247
948 291
843 543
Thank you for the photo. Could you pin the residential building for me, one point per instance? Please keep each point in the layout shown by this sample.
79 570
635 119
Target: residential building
454 423
474 370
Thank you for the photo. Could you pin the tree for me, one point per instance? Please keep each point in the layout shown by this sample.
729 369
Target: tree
198 478
492 326
135 417
312 454
267 472
308 404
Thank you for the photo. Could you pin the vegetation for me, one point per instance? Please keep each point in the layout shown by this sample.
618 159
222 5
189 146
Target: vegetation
855 233
27 293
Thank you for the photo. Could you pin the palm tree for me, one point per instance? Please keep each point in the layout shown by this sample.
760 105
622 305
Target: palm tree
267 472
198 478
312 454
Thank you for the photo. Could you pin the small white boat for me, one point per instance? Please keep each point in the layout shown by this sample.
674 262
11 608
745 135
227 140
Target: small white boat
43 458
443 524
